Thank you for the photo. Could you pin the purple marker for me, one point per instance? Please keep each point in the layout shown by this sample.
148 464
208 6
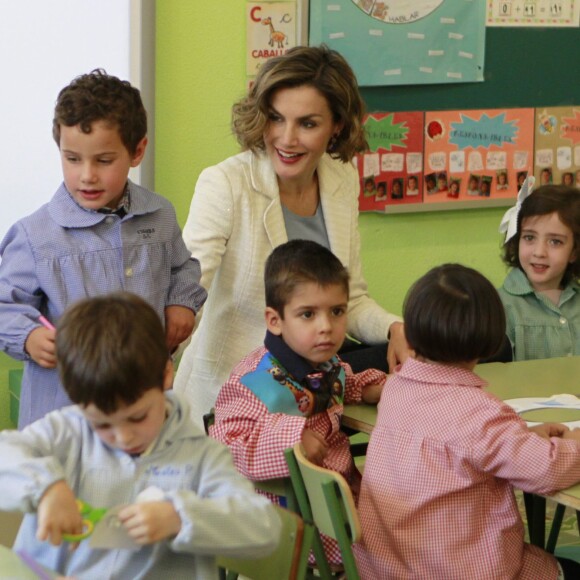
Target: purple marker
29 561
46 323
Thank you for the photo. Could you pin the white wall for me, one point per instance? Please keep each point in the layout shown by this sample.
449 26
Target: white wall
44 44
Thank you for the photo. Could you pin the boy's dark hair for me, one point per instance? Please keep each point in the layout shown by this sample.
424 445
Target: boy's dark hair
110 350
97 96
561 199
298 262
454 314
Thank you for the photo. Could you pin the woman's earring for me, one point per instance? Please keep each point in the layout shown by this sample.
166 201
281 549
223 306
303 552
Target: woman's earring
332 143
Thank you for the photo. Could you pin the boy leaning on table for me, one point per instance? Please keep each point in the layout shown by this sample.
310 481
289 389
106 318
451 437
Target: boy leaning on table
126 435
437 496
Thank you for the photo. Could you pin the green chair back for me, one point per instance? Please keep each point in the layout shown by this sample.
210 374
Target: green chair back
332 507
288 561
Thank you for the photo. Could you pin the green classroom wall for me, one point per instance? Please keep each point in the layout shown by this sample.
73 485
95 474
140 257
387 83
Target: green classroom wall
200 72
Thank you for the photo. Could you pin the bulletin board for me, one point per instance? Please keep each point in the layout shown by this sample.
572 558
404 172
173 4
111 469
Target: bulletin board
524 67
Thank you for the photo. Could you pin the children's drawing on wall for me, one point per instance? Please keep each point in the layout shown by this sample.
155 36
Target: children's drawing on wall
399 42
477 154
391 170
557 156
270 31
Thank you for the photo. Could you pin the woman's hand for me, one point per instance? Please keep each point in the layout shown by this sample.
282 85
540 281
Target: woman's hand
41 348
398 350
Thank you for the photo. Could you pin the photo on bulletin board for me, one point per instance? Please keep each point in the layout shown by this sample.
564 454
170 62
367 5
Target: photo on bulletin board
477 155
557 145
391 170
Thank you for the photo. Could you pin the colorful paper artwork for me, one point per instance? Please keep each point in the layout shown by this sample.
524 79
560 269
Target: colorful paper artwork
391 171
557 149
477 155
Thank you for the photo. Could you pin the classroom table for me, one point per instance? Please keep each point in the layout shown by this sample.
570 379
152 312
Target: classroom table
534 378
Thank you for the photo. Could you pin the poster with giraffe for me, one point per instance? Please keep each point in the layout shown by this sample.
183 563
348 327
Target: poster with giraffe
271 30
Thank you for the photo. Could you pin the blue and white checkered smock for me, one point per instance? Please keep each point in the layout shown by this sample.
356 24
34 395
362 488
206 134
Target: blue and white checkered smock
63 253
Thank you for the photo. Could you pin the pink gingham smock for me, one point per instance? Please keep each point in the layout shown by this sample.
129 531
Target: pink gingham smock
437 496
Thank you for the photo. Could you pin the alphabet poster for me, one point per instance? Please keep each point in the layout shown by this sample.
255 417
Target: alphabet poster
477 155
558 145
391 171
270 29
402 42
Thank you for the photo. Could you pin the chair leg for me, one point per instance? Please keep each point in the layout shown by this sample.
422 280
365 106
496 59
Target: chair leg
342 529
536 514
555 529
304 510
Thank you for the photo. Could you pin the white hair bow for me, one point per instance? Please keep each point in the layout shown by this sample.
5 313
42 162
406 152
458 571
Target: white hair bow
509 222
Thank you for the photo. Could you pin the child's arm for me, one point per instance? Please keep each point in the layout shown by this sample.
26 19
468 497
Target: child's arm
179 323
21 295
150 522
372 380
256 437
184 287
315 446
547 430
222 515
40 345
58 514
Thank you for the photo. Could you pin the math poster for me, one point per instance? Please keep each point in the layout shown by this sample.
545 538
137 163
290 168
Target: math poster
403 42
545 13
391 171
557 145
477 155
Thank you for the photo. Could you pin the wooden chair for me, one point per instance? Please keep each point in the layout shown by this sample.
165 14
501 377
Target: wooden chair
331 505
288 561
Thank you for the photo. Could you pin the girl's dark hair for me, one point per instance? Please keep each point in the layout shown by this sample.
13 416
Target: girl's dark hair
97 96
297 262
110 350
316 66
453 314
547 199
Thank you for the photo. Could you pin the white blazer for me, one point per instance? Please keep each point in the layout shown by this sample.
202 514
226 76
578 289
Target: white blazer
234 223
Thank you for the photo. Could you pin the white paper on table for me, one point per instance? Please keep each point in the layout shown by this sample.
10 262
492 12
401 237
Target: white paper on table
562 401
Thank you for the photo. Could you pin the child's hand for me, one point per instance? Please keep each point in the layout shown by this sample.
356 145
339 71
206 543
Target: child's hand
151 521
547 430
572 434
315 446
372 393
58 514
179 323
41 348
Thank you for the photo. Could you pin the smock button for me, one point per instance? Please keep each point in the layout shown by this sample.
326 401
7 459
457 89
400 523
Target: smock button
563 320
110 219
128 272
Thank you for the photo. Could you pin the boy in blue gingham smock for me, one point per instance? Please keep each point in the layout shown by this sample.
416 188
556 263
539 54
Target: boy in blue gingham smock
99 233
